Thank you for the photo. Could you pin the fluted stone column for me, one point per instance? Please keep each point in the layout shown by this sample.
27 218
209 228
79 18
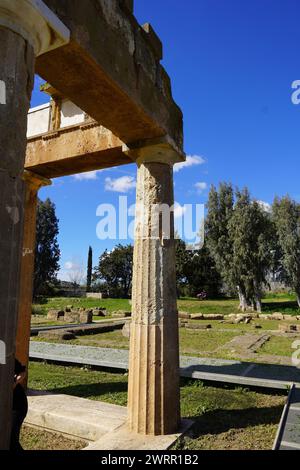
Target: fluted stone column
27 28
153 392
33 183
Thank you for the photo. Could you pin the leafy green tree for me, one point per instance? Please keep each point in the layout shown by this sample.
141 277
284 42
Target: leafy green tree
250 230
182 259
114 270
286 216
220 207
89 270
240 239
47 253
201 273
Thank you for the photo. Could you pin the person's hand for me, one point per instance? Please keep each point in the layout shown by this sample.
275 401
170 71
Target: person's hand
19 379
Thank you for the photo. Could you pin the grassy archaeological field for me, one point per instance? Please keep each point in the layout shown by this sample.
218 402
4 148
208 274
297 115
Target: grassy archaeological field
225 418
213 342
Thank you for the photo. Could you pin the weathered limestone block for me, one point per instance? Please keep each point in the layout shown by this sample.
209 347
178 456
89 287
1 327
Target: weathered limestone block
288 328
199 326
57 335
277 316
72 317
127 4
197 316
86 317
154 41
238 319
289 317
99 312
213 316
94 295
121 314
133 106
184 315
55 315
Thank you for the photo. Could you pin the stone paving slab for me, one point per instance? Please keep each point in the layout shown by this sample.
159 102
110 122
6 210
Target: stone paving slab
102 425
74 416
219 370
123 439
77 326
291 427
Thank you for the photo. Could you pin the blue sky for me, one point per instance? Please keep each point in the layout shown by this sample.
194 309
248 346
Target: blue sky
232 63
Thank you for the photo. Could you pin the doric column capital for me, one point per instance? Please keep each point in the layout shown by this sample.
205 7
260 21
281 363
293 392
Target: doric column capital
35 22
160 150
34 181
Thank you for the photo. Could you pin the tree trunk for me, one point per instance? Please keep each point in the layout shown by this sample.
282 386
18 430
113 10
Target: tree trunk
298 298
258 304
243 301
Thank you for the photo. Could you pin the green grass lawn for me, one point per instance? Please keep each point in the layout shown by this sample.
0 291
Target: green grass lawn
224 418
57 303
201 343
279 346
192 342
272 303
38 439
195 342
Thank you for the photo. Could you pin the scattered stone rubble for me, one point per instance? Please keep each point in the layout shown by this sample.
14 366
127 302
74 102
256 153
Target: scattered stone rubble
121 314
76 315
234 318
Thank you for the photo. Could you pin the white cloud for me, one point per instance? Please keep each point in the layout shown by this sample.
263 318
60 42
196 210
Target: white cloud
179 210
120 185
265 206
69 265
89 175
191 160
201 186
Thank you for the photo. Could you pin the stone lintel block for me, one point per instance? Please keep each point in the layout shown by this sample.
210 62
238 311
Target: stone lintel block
128 4
154 41
133 105
35 22
74 149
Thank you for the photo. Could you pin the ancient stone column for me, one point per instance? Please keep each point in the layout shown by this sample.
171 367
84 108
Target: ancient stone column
27 29
153 392
33 183
17 67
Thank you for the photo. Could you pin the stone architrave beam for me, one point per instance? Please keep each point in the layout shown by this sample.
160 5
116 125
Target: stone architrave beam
76 149
111 70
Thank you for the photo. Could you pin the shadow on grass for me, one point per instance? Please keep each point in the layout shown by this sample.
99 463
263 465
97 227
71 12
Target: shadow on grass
91 390
220 421
281 306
